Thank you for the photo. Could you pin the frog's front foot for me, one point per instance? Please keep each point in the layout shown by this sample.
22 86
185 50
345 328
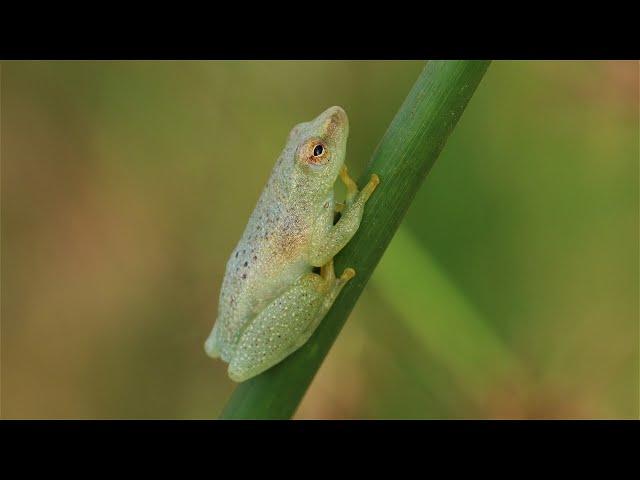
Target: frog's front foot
352 186
371 185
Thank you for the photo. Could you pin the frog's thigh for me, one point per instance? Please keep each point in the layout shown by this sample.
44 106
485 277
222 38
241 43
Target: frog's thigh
285 324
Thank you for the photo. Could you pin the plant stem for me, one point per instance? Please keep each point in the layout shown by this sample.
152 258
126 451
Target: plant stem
402 160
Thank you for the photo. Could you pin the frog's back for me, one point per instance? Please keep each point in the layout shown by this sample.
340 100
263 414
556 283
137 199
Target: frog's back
269 257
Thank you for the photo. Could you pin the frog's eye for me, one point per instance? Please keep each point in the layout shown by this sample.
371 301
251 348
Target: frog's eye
314 153
318 153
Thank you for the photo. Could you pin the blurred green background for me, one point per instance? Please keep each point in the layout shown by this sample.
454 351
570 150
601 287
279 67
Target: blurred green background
511 290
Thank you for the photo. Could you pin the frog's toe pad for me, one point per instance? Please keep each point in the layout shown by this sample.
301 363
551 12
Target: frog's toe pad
375 180
348 274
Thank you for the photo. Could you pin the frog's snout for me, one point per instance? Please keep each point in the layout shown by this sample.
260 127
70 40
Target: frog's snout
333 124
336 117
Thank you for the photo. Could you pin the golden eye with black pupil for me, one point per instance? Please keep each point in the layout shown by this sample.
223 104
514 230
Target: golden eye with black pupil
318 150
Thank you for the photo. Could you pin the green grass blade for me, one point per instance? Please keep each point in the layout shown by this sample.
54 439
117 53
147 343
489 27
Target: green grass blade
403 158
439 316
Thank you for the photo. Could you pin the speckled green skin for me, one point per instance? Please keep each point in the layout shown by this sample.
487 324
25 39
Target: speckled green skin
271 302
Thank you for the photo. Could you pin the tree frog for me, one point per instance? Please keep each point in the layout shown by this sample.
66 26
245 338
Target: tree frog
271 300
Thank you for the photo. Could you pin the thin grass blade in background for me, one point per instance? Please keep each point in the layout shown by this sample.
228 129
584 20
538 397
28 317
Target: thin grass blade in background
442 319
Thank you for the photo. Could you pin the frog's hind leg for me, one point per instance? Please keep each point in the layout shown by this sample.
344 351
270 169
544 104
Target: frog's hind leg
333 287
286 323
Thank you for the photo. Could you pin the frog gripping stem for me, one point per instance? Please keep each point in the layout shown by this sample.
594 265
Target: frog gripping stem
271 301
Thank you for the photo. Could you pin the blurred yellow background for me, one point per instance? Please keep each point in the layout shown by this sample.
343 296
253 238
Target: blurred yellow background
511 290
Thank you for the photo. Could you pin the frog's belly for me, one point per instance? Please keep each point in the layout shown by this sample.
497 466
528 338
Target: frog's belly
246 291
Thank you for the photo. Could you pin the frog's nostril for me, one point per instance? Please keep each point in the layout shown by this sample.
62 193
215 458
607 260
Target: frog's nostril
338 114
336 119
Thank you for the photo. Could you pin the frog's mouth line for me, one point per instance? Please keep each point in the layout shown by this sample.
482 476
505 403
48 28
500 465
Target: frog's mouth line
316 167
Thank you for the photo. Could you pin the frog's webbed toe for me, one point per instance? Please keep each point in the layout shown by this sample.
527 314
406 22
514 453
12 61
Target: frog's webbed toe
211 344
